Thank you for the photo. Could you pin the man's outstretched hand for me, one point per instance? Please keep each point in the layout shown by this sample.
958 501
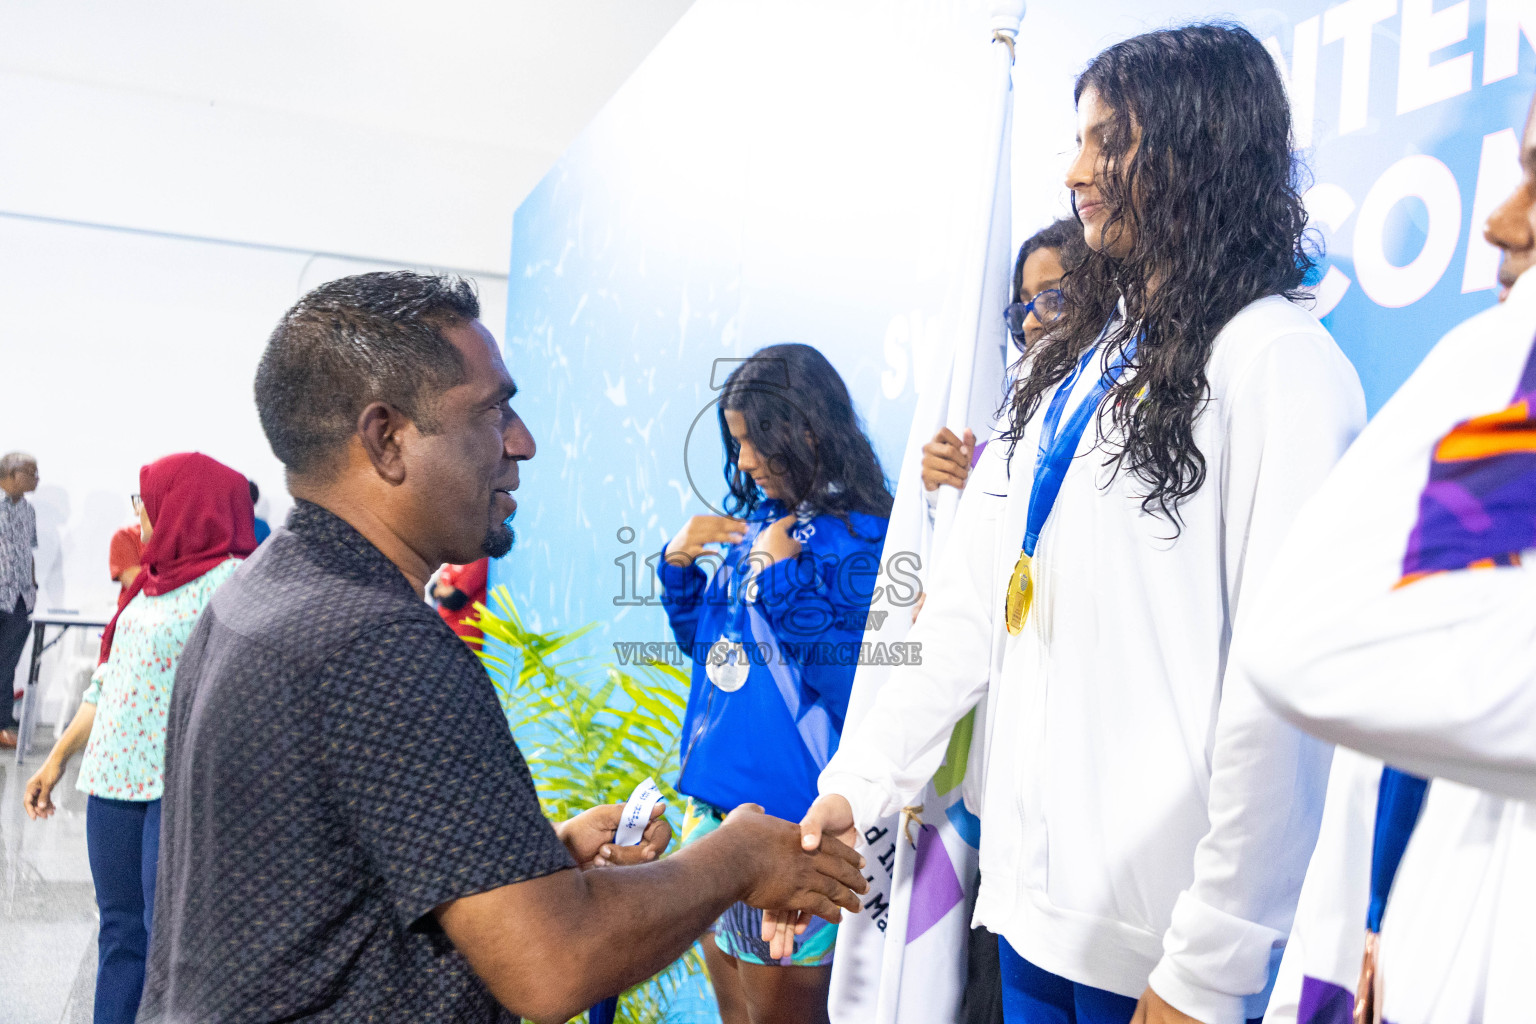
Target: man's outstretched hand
829 819
548 947
784 875
589 837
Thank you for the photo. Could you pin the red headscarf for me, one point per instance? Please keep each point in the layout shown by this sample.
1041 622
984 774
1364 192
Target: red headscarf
202 515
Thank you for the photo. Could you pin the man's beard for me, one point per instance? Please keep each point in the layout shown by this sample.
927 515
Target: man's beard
498 541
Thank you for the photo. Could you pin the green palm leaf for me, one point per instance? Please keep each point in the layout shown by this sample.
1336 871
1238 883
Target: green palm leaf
590 734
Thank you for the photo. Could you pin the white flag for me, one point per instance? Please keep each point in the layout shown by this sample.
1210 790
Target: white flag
903 960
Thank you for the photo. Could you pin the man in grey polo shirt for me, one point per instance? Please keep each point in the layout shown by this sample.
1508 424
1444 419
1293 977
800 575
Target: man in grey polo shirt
18 576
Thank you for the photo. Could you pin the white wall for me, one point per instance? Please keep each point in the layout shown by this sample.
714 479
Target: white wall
384 129
174 175
121 347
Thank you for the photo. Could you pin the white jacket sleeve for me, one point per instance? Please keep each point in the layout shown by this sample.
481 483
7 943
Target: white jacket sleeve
885 759
1293 412
1438 677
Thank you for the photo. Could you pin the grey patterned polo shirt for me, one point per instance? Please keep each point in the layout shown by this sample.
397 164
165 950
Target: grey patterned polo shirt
18 538
336 766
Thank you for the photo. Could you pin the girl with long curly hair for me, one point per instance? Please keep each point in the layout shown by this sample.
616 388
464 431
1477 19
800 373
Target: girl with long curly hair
1146 819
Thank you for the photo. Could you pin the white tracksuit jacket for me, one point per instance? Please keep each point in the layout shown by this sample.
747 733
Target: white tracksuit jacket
1437 678
1145 815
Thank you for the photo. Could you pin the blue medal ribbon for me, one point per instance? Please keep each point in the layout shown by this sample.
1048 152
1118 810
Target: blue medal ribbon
1398 803
742 618
1399 799
727 665
1057 450
735 581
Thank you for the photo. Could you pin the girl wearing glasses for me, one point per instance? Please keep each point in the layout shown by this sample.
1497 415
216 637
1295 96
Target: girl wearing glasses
1037 303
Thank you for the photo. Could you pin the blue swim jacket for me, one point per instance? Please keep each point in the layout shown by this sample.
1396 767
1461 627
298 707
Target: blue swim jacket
801 625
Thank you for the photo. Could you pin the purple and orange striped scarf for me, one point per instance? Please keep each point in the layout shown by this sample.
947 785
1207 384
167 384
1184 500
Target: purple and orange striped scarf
1478 509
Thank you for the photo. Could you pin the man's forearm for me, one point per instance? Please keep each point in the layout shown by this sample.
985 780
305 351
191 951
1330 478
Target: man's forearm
638 920
591 934
549 947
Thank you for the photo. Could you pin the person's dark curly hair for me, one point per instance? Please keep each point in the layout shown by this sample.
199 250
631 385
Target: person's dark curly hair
1212 200
352 342
801 420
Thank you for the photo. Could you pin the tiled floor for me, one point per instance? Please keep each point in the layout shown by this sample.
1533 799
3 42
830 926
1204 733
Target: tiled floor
47 903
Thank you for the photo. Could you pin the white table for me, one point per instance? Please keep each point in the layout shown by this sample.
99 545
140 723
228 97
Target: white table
63 619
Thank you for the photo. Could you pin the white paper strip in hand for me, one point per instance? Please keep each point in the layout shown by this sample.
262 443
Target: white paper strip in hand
637 813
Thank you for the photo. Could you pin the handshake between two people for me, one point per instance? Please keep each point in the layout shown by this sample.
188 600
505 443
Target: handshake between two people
551 946
829 820
788 871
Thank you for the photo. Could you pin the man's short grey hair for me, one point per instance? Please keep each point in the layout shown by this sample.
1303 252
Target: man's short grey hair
13 462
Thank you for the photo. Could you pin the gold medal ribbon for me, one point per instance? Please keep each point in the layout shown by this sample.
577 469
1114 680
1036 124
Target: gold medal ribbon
1057 451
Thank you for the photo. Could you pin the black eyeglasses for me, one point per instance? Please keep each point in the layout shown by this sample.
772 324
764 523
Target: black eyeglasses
136 501
1047 306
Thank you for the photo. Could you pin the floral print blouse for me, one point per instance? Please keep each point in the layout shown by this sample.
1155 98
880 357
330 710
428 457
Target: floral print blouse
125 758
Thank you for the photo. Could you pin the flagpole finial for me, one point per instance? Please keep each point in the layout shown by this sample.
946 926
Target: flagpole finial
1004 22
1004 17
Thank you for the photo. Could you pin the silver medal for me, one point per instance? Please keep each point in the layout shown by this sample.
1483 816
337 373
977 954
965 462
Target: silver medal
726 666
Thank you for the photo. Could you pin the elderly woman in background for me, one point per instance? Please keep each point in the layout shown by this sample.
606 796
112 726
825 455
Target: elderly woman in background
196 519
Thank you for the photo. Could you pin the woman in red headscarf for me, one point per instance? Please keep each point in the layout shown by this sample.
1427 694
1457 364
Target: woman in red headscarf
197 522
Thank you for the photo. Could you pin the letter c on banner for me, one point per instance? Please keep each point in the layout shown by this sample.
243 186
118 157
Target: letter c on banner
1330 206
1427 179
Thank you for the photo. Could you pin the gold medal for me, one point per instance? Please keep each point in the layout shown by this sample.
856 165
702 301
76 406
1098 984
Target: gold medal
1051 465
1021 591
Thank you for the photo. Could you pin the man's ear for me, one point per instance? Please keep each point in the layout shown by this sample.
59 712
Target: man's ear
380 428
